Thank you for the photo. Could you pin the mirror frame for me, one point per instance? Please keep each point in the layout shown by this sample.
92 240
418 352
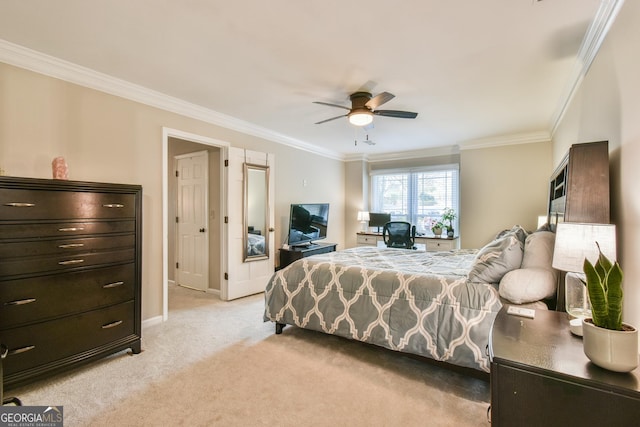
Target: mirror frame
245 223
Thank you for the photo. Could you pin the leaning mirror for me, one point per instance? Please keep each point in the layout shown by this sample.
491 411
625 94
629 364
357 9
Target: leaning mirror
256 212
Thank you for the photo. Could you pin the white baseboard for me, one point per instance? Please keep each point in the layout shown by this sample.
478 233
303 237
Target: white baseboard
156 320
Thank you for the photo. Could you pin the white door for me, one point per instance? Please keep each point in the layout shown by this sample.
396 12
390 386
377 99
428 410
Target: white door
245 278
192 269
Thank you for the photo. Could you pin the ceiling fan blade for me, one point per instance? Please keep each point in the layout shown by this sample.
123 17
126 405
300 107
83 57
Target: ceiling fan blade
332 105
396 113
332 118
379 99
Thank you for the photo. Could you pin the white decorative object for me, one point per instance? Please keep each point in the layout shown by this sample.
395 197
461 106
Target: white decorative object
363 217
573 243
60 168
613 350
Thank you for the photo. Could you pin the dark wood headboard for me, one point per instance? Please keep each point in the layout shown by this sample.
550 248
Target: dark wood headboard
579 187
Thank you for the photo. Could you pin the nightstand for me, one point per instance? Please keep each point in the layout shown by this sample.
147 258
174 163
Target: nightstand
541 377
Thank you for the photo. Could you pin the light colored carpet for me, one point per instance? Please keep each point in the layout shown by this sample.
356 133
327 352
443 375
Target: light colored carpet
217 363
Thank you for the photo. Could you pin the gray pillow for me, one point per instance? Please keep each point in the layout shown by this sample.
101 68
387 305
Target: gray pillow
497 258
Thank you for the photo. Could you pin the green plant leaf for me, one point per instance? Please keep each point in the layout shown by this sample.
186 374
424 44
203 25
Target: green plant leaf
597 295
614 297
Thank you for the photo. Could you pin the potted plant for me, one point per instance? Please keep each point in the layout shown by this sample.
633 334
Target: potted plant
436 228
607 341
448 216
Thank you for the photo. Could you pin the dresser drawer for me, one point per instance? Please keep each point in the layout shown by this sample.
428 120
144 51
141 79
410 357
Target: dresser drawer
368 240
42 343
65 246
63 229
440 245
19 204
51 264
38 298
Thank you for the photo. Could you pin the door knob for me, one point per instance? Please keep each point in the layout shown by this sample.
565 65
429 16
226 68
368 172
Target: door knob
271 229
202 230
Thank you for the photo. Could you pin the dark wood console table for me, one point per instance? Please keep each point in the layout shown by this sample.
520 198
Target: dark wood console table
541 377
293 253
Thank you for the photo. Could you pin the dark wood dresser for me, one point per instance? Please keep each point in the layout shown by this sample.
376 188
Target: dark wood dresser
70 274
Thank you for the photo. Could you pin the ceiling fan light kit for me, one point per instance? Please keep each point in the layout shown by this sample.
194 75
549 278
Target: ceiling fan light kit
364 107
360 118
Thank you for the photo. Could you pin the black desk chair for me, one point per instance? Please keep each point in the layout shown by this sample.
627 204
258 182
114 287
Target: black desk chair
399 234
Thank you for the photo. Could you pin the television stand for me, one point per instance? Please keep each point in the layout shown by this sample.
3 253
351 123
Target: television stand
287 256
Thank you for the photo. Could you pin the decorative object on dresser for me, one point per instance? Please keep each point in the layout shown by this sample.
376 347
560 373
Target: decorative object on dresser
608 342
541 377
70 273
449 215
574 243
60 169
363 217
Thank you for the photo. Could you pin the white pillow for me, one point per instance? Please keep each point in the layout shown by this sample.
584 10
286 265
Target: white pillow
528 284
538 250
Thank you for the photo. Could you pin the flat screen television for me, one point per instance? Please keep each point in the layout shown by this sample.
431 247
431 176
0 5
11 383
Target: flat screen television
307 223
378 220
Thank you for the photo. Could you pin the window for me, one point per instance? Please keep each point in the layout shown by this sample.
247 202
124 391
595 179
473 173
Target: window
416 195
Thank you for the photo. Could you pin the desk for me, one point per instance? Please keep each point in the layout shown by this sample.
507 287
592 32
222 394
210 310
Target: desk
541 377
430 244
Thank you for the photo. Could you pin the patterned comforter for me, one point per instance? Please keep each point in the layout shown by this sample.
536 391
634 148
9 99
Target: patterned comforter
409 301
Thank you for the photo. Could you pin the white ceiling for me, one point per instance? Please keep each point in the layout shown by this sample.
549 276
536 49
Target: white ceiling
472 69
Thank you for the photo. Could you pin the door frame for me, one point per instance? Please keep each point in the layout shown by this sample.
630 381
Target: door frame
224 148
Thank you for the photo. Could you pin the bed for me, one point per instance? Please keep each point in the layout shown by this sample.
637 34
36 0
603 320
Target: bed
255 244
439 305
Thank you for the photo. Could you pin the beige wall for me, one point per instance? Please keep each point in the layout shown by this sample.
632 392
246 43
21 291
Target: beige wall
607 107
110 139
356 189
501 187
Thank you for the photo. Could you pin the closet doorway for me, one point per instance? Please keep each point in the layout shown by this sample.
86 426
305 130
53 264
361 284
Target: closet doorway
175 145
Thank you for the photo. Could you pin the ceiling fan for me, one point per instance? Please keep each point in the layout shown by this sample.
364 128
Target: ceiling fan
364 107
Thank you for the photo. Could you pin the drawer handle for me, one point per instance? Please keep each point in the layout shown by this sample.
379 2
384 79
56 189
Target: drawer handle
71 245
113 205
112 324
20 205
21 301
21 350
71 262
71 229
113 285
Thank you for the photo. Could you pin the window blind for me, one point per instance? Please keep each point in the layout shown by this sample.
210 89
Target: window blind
416 195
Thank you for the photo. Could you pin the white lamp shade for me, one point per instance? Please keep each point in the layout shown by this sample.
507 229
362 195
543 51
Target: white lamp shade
577 241
542 220
363 216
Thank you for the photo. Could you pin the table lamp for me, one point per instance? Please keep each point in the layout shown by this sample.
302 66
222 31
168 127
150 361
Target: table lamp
363 217
575 242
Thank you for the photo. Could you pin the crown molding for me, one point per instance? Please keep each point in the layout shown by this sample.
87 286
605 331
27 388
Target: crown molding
404 155
38 62
594 37
500 141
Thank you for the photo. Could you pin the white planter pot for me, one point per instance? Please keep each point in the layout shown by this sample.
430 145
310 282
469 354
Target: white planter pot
613 350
